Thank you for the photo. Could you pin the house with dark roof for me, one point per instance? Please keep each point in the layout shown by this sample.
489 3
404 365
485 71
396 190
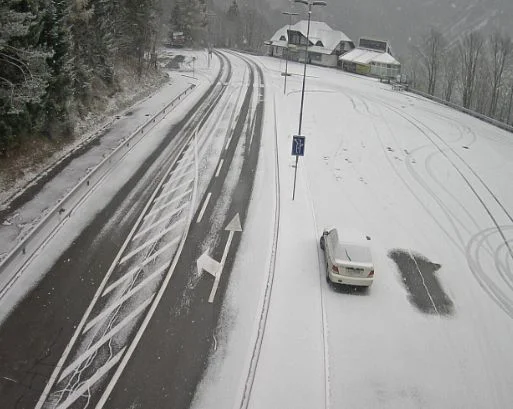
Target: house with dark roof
325 45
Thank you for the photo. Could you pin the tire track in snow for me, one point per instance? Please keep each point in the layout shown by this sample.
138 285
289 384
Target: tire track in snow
262 323
504 301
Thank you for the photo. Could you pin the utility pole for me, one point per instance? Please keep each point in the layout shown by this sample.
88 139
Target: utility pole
209 40
310 4
290 14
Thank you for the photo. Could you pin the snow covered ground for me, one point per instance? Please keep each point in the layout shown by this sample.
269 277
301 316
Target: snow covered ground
412 175
21 223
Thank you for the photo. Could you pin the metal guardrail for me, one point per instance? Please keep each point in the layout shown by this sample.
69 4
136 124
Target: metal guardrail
477 115
11 268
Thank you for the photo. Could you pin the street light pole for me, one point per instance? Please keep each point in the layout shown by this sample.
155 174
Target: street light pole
209 44
310 4
290 14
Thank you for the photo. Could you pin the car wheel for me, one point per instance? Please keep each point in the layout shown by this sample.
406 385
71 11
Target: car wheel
321 242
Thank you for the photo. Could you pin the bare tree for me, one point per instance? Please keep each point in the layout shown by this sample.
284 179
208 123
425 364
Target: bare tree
500 50
413 68
431 53
510 106
470 48
450 62
482 89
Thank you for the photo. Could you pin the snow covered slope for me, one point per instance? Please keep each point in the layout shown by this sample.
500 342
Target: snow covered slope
432 188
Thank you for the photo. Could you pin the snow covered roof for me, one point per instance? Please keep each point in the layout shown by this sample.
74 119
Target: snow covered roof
364 56
319 31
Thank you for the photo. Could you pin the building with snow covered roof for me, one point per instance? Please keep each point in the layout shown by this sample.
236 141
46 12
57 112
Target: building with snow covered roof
372 57
324 47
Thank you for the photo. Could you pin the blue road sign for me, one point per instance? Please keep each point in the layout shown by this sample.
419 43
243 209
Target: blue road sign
298 145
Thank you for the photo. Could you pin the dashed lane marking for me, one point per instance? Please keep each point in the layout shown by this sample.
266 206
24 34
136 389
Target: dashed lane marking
205 204
219 168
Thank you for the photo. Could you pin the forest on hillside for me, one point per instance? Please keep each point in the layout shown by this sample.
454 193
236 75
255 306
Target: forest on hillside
57 57
55 53
474 71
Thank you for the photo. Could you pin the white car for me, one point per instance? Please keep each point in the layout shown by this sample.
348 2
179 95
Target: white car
347 262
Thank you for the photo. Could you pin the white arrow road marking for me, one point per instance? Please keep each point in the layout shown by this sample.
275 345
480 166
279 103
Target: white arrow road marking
213 267
207 263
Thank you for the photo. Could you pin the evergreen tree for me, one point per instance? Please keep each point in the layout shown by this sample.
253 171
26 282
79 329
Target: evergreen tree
234 25
55 36
233 11
190 18
24 73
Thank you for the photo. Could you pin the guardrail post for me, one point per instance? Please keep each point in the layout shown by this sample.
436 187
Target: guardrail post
54 216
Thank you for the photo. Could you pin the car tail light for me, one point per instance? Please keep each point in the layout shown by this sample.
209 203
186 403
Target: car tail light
334 269
371 274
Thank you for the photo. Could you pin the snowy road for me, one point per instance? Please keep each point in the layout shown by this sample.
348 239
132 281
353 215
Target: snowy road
431 186
248 319
192 183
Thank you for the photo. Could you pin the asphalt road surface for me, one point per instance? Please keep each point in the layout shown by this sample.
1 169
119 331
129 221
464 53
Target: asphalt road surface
127 316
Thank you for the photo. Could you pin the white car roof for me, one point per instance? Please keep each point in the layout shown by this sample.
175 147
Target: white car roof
351 247
353 253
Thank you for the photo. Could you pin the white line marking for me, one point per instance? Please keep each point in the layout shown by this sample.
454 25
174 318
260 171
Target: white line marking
97 345
185 156
164 219
176 179
219 168
119 301
97 295
167 193
133 272
232 227
218 276
423 281
158 297
205 204
229 140
151 241
91 381
168 204
179 168
178 187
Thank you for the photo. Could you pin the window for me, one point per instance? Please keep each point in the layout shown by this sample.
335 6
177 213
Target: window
315 56
282 38
295 37
319 43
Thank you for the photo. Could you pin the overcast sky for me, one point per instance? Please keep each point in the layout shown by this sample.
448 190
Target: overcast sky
401 20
